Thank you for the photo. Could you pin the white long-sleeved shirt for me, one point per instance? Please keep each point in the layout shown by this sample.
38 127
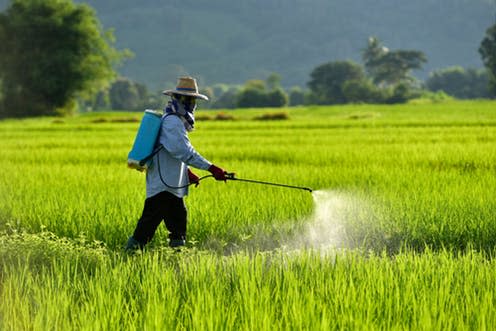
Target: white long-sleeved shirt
174 158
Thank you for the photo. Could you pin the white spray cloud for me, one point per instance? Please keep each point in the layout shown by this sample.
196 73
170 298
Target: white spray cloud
338 222
325 230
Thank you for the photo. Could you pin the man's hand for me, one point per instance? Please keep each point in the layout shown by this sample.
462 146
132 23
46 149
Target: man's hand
218 173
194 179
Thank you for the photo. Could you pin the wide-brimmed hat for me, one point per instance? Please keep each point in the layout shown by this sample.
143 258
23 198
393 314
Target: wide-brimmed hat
186 86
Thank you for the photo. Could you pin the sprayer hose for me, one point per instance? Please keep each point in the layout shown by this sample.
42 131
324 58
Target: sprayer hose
176 187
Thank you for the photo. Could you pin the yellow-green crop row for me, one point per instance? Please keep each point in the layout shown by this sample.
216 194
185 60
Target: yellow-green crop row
404 203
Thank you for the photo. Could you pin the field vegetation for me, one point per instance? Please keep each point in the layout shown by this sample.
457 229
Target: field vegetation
399 232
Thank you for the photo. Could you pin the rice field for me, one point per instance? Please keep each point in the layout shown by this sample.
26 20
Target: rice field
399 232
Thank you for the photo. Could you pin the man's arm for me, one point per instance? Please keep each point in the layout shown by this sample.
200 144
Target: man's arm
174 138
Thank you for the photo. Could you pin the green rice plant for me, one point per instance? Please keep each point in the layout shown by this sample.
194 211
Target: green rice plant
274 290
398 234
426 171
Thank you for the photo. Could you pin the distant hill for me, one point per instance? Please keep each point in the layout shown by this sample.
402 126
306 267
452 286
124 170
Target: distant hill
225 41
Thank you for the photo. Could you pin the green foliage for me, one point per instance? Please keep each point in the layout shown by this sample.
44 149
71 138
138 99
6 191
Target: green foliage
405 193
387 67
459 82
428 97
71 178
388 81
59 52
296 96
100 101
327 81
255 84
259 93
252 95
487 51
364 91
163 290
126 95
402 92
277 98
273 81
227 97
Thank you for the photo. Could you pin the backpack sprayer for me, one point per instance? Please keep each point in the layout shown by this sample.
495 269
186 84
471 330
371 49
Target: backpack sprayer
144 143
143 151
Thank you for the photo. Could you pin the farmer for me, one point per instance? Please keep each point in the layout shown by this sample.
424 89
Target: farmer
168 176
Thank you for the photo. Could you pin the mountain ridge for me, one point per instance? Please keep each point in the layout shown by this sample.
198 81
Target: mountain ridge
222 41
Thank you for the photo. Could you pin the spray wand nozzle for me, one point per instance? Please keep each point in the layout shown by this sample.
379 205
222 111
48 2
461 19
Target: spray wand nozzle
232 176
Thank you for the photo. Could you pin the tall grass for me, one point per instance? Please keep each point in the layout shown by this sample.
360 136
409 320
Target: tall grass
428 171
266 291
414 185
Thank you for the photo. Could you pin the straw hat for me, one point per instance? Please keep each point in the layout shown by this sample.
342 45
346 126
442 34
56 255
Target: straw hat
186 86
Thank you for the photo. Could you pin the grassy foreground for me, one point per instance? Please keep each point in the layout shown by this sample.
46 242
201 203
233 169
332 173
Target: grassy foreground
400 233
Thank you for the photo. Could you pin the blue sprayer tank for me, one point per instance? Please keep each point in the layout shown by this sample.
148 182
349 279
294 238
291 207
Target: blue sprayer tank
145 140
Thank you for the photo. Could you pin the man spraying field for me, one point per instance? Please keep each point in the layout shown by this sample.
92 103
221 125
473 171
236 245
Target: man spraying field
168 174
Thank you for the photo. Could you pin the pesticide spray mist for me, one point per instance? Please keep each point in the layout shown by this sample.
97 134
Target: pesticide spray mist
327 228
340 220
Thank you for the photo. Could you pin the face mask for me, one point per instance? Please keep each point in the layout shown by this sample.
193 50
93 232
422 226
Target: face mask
184 110
189 103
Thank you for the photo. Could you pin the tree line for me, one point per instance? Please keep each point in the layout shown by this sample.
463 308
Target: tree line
61 58
385 76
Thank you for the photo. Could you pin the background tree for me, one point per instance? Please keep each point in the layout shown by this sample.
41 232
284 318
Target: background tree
488 52
253 94
125 95
371 56
100 100
296 96
401 93
228 97
327 81
364 91
51 51
259 93
277 98
459 82
387 67
273 81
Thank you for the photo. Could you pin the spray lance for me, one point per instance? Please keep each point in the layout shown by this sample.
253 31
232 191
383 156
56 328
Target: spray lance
232 176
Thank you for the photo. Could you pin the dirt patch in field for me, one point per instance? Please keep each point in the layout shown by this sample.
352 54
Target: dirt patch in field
116 120
272 117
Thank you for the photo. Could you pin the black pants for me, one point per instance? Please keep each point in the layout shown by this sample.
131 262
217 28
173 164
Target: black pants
163 206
